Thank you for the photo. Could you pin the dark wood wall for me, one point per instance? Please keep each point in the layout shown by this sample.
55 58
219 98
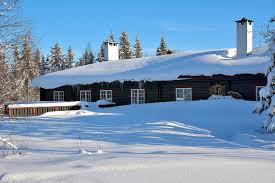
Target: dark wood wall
162 91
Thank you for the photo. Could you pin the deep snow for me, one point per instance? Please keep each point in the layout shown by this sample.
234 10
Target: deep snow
160 68
217 140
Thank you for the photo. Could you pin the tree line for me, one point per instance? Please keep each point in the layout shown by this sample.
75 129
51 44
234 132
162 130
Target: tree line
57 60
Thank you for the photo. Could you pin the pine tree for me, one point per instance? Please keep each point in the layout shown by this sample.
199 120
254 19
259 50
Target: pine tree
69 58
267 94
125 47
162 50
100 55
57 61
137 48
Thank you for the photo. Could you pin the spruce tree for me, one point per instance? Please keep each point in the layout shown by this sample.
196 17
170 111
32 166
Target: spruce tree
162 49
111 37
69 58
100 54
137 48
57 61
125 47
44 66
87 57
267 94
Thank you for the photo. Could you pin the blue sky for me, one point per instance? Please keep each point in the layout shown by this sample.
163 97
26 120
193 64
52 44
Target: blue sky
186 25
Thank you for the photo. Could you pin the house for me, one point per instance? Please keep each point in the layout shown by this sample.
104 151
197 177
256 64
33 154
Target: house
190 75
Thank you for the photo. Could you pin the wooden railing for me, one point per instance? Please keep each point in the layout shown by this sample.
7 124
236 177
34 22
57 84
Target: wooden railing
36 111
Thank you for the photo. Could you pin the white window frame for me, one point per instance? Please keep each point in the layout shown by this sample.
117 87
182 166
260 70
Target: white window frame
139 98
58 96
184 98
87 95
106 95
258 88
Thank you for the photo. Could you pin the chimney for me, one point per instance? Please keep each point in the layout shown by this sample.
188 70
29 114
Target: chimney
110 51
244 36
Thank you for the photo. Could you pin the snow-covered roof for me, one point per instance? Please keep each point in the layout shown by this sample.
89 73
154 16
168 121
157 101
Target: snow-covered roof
160 68
16 105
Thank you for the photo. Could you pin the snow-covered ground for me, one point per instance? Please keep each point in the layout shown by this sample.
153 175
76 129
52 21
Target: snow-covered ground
197 141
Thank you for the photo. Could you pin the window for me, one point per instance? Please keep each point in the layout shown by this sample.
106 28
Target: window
137 96
85 95
106 95
183 94
258 88
58 96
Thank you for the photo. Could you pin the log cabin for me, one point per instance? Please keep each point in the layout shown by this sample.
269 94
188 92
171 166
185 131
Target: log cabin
189 75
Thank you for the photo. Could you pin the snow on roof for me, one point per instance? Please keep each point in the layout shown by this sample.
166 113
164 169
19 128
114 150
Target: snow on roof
42 104
160 68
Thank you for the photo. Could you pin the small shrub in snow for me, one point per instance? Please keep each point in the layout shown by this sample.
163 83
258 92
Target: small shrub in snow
267 94
82 150
8 146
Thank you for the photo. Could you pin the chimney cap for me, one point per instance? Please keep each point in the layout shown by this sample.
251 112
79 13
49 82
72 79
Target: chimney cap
107 41
243 20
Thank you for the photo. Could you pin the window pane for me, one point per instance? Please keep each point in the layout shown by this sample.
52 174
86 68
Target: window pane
106 95
137 96
183 94
85 95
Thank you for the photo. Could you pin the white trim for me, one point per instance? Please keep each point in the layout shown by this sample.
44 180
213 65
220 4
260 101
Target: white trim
184 98
58 96
87 95
257 94
138 96
104 95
